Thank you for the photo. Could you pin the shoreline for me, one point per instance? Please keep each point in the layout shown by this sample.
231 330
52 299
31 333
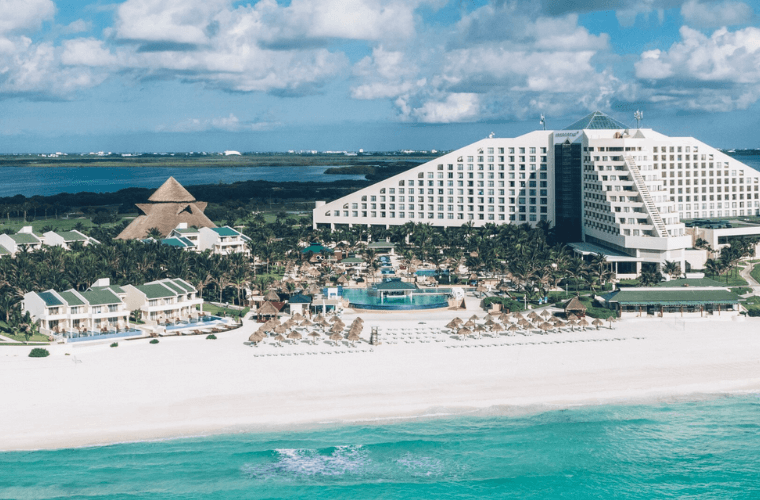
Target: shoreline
189 387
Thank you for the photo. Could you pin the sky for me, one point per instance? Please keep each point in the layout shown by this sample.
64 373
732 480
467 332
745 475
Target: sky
210 75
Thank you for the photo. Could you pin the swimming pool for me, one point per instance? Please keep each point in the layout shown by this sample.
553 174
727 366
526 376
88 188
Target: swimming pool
429 272
362 298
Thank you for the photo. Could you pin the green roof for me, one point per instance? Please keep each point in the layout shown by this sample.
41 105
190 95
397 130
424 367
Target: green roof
381 244
671 297
49 299
187 230
71 236
690 282
100 297
184 285
225 231
352 260
316 249
156 291
171 285
24 238
113 288
395 284
71 298
176 242
596 121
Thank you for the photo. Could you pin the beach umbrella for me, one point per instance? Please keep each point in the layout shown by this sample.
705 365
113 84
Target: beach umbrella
336 328
336 337
517 315
279 339
503 317
464 332
545 313
497 328
474 317
280 329
583 323
572 316
513 328
490 322
469 324
297 316
314 336
295 336
546 326
452 325
533 315
525 323
597 323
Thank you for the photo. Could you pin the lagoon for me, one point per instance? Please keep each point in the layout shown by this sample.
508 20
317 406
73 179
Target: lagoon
46 181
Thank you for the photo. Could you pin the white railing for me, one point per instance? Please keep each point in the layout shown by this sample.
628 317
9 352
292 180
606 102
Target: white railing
641 187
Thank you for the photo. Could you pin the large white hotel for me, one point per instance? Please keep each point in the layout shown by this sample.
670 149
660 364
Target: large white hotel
605 187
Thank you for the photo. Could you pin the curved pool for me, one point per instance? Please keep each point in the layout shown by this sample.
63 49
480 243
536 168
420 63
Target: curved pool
363 298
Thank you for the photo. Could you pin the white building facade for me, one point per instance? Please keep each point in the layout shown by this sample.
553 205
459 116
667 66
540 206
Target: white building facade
606 188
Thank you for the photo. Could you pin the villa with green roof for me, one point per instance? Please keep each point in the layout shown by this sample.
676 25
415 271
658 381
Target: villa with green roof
219 240
71 313
24 240
164 300
66 239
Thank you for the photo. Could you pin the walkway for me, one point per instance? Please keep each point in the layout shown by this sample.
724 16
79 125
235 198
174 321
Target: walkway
752 282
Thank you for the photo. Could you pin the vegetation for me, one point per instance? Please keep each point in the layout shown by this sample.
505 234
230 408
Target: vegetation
115 344
507 305
211 337
154 341
741 290
593 310
39 352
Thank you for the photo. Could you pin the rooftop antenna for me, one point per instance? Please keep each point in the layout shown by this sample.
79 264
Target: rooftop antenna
543 121
638 115
490 136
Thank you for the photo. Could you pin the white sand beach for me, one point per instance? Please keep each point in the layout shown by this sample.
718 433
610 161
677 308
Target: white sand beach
187 386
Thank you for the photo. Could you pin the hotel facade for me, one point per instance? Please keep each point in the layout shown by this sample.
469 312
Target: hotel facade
605 187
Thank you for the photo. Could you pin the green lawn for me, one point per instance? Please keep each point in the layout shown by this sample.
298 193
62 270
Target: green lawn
594 311
752 301
741 290
730 280
56 224
755 273
220 311
20 338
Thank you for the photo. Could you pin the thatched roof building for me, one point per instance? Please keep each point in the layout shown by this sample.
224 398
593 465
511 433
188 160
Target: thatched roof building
169 206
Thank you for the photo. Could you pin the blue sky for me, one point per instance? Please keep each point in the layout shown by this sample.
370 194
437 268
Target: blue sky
209 75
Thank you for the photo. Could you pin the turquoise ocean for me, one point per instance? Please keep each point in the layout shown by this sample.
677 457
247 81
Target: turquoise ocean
706 449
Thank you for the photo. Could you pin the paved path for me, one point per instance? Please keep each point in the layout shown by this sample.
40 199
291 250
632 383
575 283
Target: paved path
752 282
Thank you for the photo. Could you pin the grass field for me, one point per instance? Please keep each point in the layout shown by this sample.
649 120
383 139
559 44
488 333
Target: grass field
221 311
755 273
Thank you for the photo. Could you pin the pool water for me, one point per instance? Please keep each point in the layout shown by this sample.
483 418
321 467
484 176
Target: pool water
361 298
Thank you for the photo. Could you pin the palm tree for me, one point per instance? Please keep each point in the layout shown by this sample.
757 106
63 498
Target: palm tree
672 268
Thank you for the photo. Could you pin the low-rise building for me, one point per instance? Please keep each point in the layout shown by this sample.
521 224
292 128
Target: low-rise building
71 312
66 239
222 240
681 298
164 301
25 240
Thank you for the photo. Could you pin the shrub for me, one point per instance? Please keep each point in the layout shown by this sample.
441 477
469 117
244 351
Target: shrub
154 341
753 311
39 352
506 303
211 337
115 344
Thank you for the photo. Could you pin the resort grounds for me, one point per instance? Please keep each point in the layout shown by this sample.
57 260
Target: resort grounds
92 394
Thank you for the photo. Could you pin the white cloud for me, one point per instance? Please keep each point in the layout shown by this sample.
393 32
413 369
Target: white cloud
77 26
713 15
86 52
175 21
497 62
229 123
717 73
24 15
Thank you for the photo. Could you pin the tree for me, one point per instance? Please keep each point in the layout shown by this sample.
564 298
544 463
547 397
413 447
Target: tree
649 277
155 233
672 268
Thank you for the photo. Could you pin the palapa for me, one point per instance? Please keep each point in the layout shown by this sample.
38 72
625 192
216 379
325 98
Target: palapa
336 337
295 336
545 313
597 323
575 306
272 296
464 332
474 317
170 205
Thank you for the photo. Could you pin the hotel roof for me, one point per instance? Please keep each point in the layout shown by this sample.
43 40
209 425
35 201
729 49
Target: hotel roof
24 238
49 298
71 236
100 297
596 121
225 231
71 298
672 297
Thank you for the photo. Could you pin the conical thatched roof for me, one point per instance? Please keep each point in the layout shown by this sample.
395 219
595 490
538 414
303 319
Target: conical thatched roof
170 205
267 309
272 295
171 192
574 305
